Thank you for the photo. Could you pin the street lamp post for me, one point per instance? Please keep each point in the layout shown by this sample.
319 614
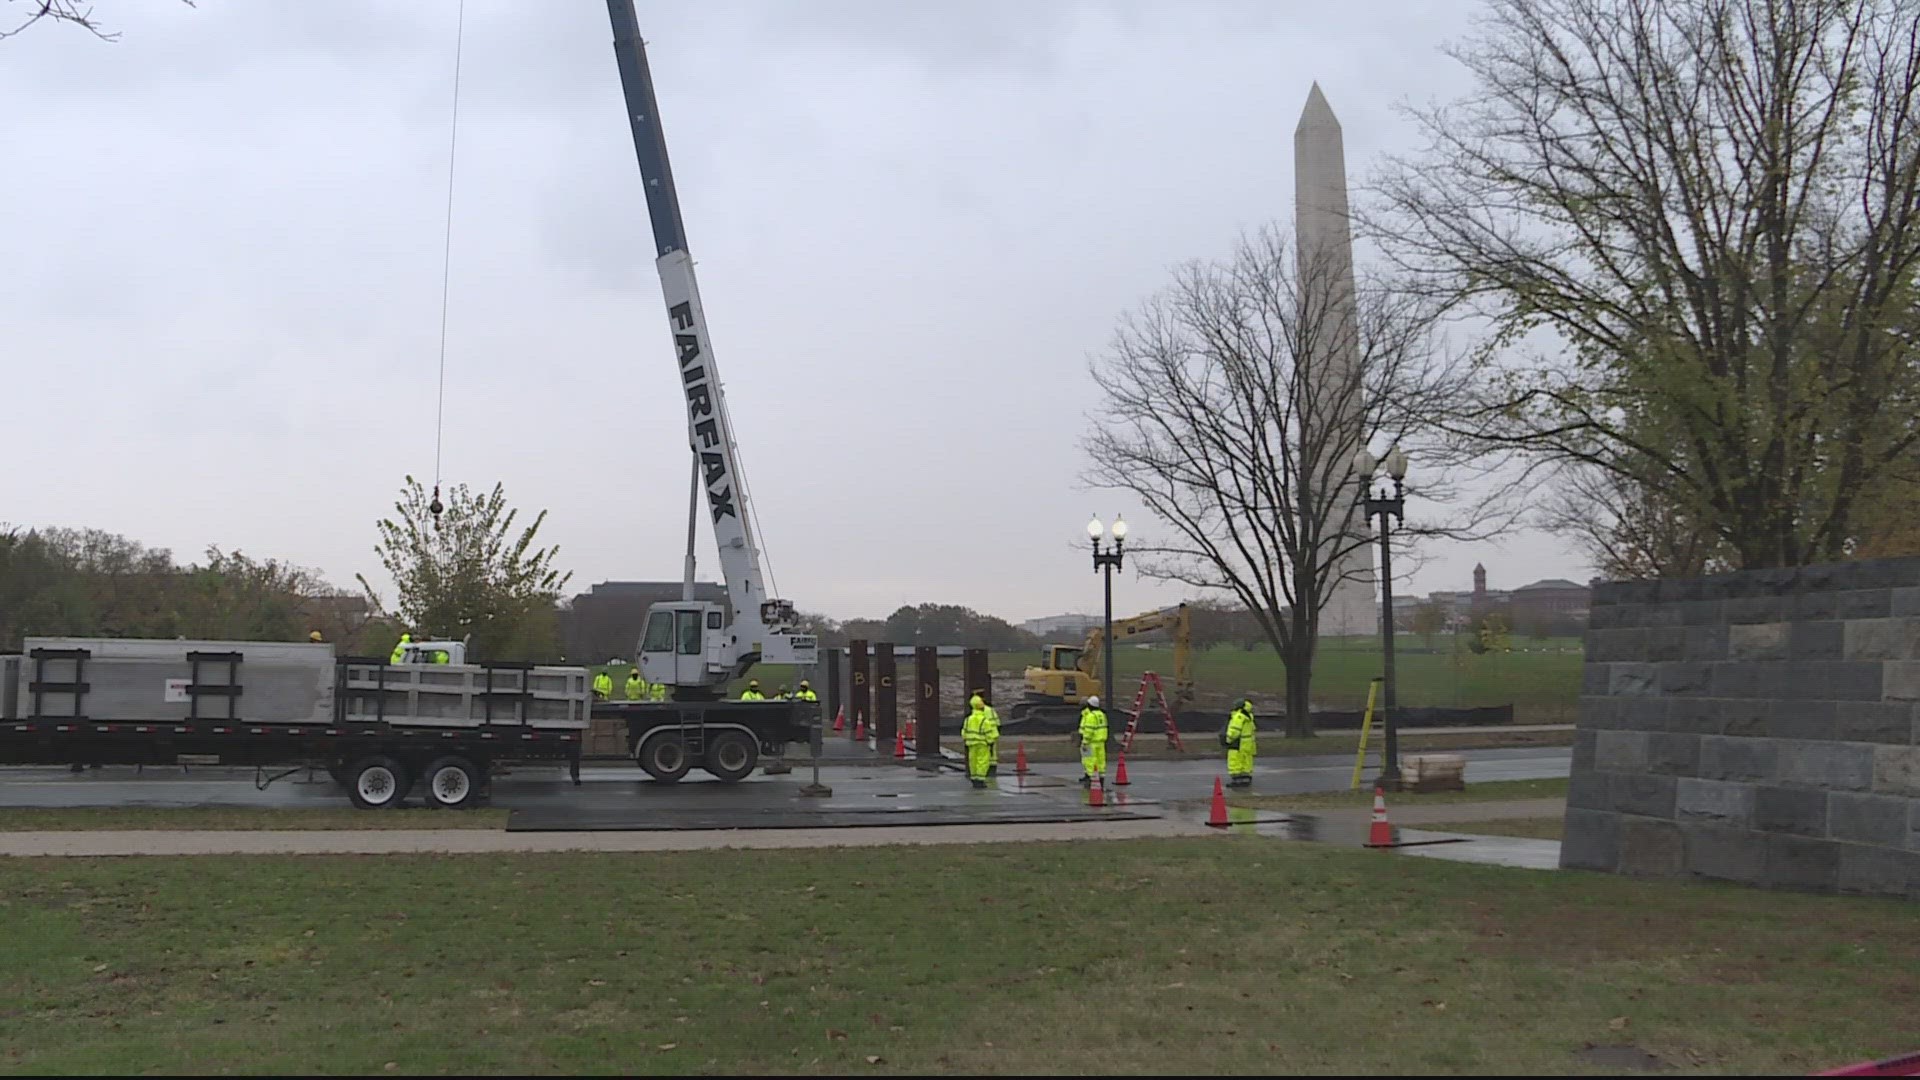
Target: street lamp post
1108 560
1387 509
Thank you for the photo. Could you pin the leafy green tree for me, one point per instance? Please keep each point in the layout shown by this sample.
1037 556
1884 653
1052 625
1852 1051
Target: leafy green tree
472 574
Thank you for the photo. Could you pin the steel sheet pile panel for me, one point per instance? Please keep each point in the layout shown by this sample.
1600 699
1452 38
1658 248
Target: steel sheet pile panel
140 679
467 696
10 687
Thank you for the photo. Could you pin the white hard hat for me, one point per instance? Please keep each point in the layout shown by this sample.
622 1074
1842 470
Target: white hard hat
1094 700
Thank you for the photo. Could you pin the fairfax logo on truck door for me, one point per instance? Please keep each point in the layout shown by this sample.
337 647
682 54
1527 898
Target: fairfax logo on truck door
706 426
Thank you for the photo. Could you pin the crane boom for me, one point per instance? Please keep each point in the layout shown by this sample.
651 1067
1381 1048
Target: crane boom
761 627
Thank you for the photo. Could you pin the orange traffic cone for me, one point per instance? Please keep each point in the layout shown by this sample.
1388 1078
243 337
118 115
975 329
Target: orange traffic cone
1380 833
840 720
1097 794
899 742
1020 761
1120 776
860 729
1218 818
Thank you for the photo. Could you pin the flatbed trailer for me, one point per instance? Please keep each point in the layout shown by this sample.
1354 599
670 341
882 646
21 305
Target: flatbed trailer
376 728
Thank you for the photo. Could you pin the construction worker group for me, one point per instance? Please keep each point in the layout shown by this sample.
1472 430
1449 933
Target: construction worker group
980 734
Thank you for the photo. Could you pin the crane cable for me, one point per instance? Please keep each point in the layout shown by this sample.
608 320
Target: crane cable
446 263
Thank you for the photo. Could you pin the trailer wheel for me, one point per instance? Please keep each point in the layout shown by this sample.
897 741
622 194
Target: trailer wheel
377 782
453 783
731 756
664 756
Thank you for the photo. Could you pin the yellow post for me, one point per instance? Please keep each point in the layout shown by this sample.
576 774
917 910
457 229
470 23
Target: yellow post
1366 725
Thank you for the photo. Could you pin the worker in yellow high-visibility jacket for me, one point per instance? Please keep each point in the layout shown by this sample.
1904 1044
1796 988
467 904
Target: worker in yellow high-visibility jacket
1239 741
660 691
1093 741
636 686
978 733
603 686
993 733
752 692
400 650
805 693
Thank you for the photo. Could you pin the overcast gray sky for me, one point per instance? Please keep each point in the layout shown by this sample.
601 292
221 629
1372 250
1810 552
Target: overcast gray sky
914 221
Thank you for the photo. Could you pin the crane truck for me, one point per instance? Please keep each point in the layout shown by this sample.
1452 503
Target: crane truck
698 647
378 727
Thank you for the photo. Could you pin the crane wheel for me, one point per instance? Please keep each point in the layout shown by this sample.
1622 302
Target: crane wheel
664 756
731 756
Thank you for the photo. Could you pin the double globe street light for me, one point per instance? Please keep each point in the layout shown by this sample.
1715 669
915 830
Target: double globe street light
1387 509
1108 560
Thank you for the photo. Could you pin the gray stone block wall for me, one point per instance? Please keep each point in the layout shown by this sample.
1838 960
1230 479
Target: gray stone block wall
1760 727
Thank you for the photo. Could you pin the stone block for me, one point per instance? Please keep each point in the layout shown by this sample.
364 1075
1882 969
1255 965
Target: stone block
1913 824
1683 677
1590 840
1710 612
1673 753
1835 766
1729 854
1872 721
1896 770
1821 640
1759 609
1606 594
1742 716
1855 680
1607 646
1650 848
1597 712
1664 643
1800 719
1641 793
1620 750
1588 791
1661 614
1583 745
1758 641
1630 679
1729 758
1710 642
1630 614
1596 678
1741 679
1878 871
1602 616
1900 680
1863 604
1696 716
1800 811
1906 601
1644 713
1812 606
1867 819
1800 862
1882 639
1716 802
1883 573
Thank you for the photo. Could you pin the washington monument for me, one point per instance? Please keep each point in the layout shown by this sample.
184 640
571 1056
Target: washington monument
1324 242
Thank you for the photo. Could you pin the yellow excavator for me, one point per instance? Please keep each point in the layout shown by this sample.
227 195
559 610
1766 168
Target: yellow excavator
1069 674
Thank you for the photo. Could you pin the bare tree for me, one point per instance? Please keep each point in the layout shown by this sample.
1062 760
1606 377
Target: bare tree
71 12
1704 211
1232 408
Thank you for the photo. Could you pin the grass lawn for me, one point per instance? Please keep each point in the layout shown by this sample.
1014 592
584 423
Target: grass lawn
1203 745
1286 958
245 818
1540 828
1491 791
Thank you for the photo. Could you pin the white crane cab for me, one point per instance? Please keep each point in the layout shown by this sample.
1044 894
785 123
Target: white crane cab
689 645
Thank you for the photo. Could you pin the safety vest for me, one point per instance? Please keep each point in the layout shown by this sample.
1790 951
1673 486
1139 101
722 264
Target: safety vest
1239 726
400 650
806 694
1093 725
979 728
603 685
659 691
752 695
636 687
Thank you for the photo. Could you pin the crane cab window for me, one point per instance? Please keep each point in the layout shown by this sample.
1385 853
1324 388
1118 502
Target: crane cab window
659 633
689 634
713 620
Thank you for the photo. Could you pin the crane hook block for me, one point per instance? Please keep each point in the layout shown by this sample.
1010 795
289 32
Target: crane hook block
435 506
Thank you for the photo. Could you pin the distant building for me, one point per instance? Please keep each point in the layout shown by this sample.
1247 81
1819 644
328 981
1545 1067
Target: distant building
1554 603
606 620
1061 628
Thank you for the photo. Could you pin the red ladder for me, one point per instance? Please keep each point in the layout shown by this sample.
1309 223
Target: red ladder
1139 701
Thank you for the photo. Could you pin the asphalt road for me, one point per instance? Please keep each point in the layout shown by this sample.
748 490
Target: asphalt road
613 790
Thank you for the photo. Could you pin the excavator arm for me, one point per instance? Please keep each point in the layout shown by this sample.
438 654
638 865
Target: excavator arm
1179 625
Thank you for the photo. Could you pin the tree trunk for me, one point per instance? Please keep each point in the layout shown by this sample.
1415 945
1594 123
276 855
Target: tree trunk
1299 685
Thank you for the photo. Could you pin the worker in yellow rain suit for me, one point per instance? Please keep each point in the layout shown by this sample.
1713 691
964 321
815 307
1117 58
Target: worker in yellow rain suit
660 691
980 733
602 686
636 686
400 650
805 693
752 692
1239 741
1093 741
993 734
